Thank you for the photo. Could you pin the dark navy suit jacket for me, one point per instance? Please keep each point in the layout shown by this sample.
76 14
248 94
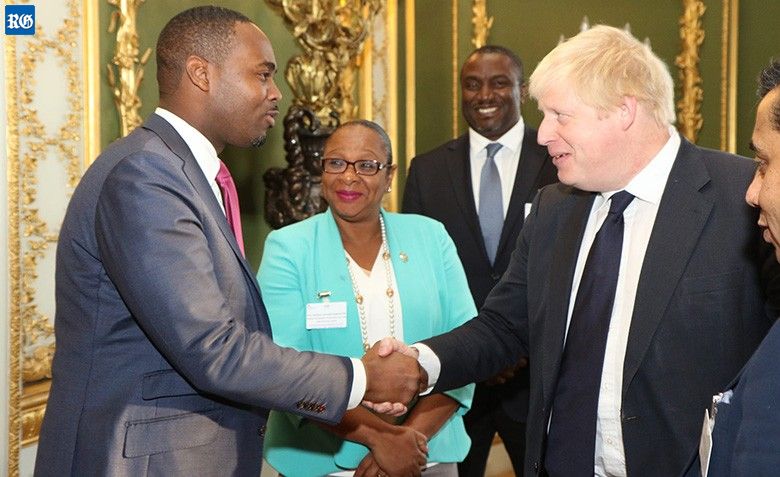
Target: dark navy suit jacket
746 436
699 313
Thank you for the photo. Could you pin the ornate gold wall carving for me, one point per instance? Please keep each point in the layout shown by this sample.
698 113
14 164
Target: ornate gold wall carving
692 35
14 263
482 23
129 66
331 34
45 154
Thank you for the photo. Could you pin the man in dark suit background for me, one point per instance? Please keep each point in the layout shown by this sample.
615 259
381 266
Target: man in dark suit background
649 227
746 433
164 362
445 184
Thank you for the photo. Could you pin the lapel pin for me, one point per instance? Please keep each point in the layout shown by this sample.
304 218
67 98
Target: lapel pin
404 258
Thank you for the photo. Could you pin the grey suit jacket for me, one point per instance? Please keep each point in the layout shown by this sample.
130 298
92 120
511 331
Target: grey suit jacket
164 362
439 186
699 312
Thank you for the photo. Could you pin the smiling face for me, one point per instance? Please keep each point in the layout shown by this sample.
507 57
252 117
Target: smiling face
353 197
491 94
585 143
244 97
764 191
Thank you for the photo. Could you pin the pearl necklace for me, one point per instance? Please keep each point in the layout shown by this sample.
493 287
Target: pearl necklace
389 292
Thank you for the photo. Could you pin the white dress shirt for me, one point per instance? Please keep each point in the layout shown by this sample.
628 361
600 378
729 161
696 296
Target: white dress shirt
206 157
647 187
507 160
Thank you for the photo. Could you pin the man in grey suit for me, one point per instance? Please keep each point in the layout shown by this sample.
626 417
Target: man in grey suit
445 184
636 288
164 361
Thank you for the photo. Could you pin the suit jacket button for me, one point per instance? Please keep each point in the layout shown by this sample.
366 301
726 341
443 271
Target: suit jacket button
261 431
495 276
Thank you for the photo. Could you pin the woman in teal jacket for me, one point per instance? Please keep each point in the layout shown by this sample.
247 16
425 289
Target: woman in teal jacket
341 280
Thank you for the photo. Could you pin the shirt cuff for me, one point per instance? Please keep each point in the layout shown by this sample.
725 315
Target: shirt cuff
430 363
358 384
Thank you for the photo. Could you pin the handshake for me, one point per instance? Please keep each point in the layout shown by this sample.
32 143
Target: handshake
393 377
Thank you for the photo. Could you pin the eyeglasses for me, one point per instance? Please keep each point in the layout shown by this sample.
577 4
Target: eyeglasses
366 167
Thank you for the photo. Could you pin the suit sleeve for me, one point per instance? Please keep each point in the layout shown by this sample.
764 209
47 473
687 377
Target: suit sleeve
498 336
457 304
411 201
150 232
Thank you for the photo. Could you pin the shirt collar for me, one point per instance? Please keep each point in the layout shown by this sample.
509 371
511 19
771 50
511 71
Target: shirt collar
649 184
201 148
512 139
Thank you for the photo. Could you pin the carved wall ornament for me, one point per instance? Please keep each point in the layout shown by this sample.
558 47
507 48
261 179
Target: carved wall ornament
332 34
293 193
482 23
692 35
127 63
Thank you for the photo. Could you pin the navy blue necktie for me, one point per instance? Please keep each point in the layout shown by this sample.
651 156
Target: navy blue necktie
571 440
491 204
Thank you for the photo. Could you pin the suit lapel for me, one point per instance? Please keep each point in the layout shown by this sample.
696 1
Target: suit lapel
682 214
194 173
459 168
532 157
567 247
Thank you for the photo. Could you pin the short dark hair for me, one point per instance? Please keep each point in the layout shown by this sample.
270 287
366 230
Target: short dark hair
205 31
768 80
374 127
517 63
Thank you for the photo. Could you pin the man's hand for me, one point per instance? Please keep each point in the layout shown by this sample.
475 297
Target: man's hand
394 379
402 452
386 349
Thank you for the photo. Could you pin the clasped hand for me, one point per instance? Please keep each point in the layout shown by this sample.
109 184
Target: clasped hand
394 377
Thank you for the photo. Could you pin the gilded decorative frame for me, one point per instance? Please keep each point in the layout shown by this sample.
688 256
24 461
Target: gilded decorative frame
728 76
28 393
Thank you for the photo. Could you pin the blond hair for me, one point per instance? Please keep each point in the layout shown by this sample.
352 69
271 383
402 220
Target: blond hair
604 64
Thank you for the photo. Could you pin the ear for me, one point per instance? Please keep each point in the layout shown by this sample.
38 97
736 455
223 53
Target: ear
523 92
627 111
197 70
390 175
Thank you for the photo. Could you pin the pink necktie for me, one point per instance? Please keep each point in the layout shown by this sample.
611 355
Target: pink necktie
230 200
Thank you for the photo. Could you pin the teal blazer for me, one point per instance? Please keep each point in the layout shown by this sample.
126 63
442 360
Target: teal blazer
304 259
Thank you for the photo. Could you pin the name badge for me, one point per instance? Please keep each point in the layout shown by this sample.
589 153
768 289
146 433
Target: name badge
326 315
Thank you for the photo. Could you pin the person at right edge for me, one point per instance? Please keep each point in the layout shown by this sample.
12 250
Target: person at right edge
451 184
742 430
640 284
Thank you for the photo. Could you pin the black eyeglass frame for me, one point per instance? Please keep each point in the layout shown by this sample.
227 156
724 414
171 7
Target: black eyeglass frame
354 164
